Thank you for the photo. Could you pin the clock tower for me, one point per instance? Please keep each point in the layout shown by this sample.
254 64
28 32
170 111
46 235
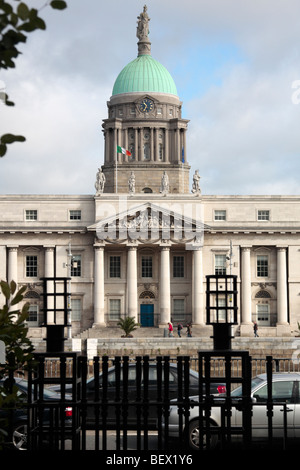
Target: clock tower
145 135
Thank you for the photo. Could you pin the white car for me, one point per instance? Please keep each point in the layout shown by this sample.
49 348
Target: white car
285 390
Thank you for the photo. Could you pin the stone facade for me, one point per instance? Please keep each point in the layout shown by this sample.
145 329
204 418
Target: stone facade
144 249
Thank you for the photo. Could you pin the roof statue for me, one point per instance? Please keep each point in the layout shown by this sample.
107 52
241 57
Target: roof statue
142 29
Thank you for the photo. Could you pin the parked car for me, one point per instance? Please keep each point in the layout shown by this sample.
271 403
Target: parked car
20 415
112 413
285 390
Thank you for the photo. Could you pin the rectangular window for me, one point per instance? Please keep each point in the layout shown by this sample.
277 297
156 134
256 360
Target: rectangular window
220 264
114 309
76 266
115 266
263 314
263 215
178 309
220 215
31 266
146 266
33 315
262 266
178 266
76 309
75 215
31 214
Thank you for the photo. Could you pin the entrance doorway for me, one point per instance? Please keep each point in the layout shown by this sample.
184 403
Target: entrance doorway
147 315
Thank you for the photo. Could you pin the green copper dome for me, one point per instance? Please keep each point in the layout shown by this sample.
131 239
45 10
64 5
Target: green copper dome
144 74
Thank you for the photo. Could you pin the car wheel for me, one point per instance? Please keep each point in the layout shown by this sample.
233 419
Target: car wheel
194 437
19 437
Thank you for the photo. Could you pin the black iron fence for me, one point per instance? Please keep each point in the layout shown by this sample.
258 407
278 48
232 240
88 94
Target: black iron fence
159 403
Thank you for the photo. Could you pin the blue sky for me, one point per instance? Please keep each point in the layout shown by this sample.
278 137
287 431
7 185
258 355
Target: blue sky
233 63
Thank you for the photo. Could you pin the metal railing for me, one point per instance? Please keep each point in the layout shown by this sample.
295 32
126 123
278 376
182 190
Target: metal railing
122 395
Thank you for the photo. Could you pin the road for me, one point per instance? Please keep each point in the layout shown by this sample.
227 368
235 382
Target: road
112 441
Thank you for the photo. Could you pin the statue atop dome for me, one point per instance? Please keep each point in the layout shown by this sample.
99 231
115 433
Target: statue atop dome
142 31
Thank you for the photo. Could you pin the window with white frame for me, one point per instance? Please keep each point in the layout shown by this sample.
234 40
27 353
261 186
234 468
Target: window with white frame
263 215
31 266
31 214
75 214
178 266
262 266
33 315
76 307
263 314
220 215
178 309
220 264
115 266
114 309
146 266
76 266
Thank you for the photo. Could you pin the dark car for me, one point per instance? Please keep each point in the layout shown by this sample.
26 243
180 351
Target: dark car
20 415
126 401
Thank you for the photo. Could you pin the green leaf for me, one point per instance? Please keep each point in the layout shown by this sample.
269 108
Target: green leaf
13 287
10 138
5 289
58 4
23 11
3 150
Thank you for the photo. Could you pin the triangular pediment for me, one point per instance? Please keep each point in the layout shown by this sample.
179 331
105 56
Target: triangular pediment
151 222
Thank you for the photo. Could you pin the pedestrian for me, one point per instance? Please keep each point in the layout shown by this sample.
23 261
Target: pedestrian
255 328
189 330
179 328
170 329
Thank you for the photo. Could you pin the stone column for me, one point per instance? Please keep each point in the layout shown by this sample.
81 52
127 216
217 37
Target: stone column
99 286
141 146
165 300
246 320
198 313
49 272
166 150
132 282
152 156
115 143
12 274
136 144
282 305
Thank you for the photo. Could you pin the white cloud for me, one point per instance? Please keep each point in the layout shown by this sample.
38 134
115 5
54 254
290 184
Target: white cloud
243 132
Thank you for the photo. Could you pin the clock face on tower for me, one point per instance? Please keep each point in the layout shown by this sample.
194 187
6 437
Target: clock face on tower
146 105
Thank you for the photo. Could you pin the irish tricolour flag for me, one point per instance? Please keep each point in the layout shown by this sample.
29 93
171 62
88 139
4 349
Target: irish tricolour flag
122 150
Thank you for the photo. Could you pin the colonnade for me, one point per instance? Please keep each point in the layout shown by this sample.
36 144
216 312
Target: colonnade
198 316
198 309
171 144
164 285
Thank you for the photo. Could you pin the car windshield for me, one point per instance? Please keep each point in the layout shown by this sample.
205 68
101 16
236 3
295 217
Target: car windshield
48 394
238 392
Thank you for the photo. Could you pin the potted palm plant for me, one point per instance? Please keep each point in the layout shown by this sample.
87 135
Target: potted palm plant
128 325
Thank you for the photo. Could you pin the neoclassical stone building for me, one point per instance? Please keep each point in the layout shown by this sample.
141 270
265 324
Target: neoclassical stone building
143 244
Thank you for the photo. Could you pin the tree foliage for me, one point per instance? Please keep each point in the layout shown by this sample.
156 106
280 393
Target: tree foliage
17 20
18 349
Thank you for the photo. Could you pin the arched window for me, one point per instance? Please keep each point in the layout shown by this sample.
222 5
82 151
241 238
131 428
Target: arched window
263 294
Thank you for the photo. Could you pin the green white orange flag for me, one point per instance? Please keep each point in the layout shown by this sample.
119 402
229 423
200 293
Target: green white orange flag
122 150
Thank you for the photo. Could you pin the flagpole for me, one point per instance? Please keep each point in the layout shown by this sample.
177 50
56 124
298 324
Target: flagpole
117 172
